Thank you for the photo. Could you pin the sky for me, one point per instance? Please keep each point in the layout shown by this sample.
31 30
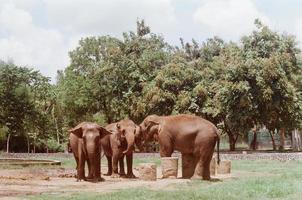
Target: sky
40 33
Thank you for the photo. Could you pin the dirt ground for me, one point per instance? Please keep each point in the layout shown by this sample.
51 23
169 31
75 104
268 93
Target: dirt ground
16 183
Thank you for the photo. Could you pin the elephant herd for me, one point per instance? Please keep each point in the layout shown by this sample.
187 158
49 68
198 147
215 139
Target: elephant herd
193 136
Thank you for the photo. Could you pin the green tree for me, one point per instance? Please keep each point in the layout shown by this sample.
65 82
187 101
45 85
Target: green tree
107 75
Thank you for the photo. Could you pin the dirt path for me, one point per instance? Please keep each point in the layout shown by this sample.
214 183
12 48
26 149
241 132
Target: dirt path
17 183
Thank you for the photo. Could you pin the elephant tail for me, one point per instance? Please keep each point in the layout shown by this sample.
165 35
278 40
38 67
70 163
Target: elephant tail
218 142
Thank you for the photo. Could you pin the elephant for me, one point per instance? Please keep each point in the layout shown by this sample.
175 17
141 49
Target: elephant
191 135
84 142
118 145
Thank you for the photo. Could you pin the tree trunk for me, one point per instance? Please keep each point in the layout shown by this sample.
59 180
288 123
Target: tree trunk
282 139
232 144
57 131
273 139
232 140
56 124
254 141
28 145
8 142
34 146
296 140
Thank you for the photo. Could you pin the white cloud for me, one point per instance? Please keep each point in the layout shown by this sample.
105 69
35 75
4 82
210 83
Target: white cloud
39 33
109 17
229 19
29 45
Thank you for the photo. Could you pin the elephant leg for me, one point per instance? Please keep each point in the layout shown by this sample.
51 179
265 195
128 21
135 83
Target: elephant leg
199 167
97 175
109 161
81 165
202 169
115 159
122 168
166 149
129 159
90 173
77 163
188 164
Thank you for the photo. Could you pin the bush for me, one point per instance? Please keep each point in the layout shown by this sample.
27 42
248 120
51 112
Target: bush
53 146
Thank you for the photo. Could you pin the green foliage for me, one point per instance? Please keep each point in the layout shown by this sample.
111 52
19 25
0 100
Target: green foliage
255 82
107 75
3 133
54 146
25 106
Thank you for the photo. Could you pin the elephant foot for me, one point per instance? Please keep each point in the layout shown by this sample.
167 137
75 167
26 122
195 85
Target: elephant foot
108 174
123 175
114 175
81 179
95 180
101 179
89 177
130 175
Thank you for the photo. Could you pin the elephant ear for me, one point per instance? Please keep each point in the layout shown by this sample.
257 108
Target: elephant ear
103 131
119 129
153 122
78 130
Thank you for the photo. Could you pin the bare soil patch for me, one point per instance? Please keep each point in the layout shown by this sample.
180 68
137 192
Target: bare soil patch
17 183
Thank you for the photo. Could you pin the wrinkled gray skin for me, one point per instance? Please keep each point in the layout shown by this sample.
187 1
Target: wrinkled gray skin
193 136
84 141
118 145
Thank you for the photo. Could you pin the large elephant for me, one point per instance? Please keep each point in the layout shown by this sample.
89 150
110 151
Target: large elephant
84 142
193 136
118 145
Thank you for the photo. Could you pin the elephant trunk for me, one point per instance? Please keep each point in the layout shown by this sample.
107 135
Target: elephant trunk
92 154
130 137
138 138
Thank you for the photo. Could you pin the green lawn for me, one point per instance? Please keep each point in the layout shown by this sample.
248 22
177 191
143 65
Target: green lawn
262 179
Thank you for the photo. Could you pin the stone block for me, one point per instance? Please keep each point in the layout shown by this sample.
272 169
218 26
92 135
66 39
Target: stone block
213 167
224 167
147 171
169 167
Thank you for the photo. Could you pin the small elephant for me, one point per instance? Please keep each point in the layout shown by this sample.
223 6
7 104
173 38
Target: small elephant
84 142
119 144
193 136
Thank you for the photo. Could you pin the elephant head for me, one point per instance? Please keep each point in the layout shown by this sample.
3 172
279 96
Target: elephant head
91 133
150 127
126 130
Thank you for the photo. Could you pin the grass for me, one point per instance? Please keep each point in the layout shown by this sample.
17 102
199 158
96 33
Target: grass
262 179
